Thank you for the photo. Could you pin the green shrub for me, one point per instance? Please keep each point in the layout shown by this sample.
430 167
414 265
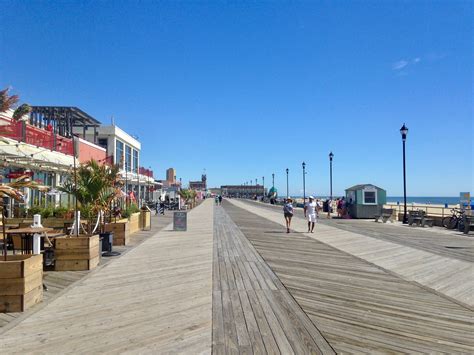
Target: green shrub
131 209
47 212
60 211
34 210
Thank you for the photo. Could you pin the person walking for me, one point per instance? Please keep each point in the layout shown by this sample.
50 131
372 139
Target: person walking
288 212
220 199
311 211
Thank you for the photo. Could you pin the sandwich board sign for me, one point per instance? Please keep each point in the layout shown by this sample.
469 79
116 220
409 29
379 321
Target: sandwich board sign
180 221
465 200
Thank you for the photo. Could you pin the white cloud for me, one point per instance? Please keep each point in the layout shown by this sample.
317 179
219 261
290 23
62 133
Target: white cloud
399 65
416 60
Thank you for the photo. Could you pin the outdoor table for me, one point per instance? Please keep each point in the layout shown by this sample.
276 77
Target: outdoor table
27 236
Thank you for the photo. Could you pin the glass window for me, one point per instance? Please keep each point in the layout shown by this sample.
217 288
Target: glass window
128 158
119 153
370 197
135 161
102 142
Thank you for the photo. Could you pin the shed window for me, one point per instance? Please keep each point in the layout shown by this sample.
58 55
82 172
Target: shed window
370 197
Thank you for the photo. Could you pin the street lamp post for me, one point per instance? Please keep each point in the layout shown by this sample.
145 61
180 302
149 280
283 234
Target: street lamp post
404 132
304 183
330 175
287 186
273 180
263 185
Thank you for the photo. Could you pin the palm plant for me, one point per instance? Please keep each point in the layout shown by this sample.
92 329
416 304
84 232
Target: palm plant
97 186
7 101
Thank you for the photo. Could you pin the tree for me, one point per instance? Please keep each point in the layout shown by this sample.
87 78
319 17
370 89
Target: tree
97 186
21 111
7 101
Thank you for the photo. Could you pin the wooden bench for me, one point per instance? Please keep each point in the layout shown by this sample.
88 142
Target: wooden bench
386 214
468 223
419 218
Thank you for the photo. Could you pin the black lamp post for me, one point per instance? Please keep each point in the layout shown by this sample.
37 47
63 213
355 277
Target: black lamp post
287 187
404 132
330 175
273 180
263 185
304 183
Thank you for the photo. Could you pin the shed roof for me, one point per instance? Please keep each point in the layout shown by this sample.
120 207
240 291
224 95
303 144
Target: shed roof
361 186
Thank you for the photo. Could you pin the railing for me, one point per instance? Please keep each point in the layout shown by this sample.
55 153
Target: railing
23 132
432 210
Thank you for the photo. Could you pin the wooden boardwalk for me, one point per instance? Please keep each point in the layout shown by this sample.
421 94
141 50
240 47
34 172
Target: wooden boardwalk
357 306
235 283
157 298
252 311
447 276
59 282
452 244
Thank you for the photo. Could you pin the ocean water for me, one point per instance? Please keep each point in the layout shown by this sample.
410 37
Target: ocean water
432 200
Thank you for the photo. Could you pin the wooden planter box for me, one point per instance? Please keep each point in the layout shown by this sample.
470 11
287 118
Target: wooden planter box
56 223
134 222
76 253
21 282
121 231
145 219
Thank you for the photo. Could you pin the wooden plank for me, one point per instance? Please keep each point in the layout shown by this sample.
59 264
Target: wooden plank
163 290
357 306
77 254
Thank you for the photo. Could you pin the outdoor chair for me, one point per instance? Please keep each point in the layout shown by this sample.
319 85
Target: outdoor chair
418 218
386 214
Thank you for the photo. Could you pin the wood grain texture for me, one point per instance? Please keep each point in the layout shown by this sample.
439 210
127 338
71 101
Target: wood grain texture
446 275
253 312
357 306
156 298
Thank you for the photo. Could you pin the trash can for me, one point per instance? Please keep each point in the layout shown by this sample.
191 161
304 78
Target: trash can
325 206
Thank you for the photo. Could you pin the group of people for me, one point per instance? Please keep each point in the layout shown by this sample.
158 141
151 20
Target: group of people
342 207
311 212
218 200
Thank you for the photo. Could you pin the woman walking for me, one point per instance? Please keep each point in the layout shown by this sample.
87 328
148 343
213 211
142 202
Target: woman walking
288 213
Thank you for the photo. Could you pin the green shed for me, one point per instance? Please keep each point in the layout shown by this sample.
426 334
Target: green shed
365 200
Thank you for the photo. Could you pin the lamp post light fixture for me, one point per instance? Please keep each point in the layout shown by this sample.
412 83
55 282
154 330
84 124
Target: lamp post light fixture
404 132
287 186
304 183
331 155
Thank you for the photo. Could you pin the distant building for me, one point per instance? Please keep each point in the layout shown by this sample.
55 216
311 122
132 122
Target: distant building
199 185
246 191
171 175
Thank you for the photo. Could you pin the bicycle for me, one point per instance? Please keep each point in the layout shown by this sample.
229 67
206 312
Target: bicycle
456 220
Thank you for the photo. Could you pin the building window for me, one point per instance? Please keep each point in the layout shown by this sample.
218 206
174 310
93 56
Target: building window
119 153
370 197
128 158
135 161
102 142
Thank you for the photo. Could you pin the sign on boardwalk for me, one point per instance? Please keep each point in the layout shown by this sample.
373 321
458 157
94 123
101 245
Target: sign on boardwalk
180 221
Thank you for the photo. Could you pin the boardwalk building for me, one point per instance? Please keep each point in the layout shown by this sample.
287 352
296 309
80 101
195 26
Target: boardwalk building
244 191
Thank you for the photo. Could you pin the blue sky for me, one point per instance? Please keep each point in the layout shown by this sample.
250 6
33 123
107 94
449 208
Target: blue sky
248 89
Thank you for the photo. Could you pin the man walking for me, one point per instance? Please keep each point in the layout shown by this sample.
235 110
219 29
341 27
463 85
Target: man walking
311 212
